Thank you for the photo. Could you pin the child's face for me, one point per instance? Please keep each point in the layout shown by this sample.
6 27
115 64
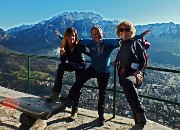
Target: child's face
71 38
96 34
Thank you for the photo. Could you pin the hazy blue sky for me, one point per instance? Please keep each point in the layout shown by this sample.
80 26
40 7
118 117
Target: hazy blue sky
17 12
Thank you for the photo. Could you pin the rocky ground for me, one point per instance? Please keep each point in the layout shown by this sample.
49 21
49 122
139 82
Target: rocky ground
87 119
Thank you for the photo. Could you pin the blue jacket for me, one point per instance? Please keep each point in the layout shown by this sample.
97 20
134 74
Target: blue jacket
100 53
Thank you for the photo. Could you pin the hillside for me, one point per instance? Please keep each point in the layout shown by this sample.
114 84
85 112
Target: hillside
14 69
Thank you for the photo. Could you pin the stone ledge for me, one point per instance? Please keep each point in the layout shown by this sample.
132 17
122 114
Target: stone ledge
87 120
9 120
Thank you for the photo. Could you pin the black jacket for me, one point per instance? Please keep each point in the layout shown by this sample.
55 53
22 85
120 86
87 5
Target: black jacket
126 57
74 55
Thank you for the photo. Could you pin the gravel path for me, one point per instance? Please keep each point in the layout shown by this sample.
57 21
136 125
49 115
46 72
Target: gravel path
87 120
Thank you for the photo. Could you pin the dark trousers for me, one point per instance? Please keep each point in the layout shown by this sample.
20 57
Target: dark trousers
58 80
102 79
128 85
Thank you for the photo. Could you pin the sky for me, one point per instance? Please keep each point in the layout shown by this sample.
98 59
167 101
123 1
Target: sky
14 13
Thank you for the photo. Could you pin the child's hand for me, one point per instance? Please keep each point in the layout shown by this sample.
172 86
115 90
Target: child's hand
62 51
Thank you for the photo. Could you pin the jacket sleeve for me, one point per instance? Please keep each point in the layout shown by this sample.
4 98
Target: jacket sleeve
84 50
141 35
141 56
63 58
136 37
117 59
113 42
85 41
60 37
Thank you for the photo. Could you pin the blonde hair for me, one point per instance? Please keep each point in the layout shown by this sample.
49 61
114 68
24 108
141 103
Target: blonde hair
67 34
129 24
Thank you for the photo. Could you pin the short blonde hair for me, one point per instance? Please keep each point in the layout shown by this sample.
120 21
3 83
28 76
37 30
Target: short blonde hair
129 24
67 34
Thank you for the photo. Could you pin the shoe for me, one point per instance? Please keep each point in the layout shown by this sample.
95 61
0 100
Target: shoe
73 116
101 121
66 101
52 97
141 119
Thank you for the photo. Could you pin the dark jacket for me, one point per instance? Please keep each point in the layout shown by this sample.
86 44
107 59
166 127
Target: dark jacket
74 55
126 56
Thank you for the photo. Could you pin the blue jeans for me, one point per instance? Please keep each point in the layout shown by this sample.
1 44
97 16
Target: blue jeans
102 79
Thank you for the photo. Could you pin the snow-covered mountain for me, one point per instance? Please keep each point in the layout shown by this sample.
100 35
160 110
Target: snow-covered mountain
40 38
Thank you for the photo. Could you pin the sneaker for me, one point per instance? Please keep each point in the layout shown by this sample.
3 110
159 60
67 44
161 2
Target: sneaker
73 116
101 121
141 119
66 101
52 97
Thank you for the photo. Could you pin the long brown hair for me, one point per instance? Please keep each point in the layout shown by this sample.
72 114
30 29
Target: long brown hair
67 34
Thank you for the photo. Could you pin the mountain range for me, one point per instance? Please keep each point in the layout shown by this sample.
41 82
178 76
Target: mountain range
40 38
